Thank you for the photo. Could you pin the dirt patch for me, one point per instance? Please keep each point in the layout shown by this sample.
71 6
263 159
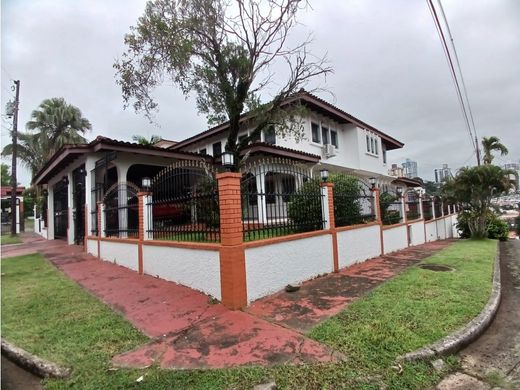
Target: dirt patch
436 267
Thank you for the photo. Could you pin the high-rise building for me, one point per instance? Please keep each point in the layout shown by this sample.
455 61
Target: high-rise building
410 168
442 174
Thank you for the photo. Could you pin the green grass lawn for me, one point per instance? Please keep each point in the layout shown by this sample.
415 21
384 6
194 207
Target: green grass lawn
48 315
7 239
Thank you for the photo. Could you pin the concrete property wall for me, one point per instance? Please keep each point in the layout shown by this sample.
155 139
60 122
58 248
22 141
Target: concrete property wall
441 228
92 247
431 231
271 267
122 253
356 245
194 268
395 238
416 230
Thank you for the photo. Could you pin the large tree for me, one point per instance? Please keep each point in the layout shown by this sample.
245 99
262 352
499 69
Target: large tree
225 52
490 145
474 188
55 123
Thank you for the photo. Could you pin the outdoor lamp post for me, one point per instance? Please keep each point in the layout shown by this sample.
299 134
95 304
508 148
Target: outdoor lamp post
324 174
146 183
372 181
228 160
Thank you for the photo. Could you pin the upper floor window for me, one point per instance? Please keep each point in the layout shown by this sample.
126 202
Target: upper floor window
202 151
325 135
334 138
315 133
255 137
242 137
372 144
384 154
217 149
270 136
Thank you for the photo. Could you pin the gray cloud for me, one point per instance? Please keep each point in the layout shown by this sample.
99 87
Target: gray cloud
389 70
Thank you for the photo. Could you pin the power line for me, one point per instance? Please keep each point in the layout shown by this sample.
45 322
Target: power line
446 50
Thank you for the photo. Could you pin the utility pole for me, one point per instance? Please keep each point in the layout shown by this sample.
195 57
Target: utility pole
13 166
478 151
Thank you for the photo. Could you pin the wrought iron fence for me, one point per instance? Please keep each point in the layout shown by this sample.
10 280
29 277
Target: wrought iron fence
445 209
184 204
353 200
412 206
391 208
427 208
121 211
279 197
437 207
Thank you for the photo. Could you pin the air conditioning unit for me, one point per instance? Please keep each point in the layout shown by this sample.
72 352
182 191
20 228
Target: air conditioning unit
329 150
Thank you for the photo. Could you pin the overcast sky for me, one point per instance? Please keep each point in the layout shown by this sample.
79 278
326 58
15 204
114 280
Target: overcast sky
390 70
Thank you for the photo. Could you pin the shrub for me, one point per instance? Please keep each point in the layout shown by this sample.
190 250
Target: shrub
389 217
304 208
496 228
347 207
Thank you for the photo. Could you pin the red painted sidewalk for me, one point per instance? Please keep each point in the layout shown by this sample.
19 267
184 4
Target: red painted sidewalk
188 331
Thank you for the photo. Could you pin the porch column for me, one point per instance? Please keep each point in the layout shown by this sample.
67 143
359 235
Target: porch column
71 210
403 209
421 211
261 198
122 199
433 209
50 213
90 181
232 253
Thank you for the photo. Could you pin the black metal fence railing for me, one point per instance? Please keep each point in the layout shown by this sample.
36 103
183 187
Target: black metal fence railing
391 208
96 196
427 209
279 198
353 201
445 208
121 211
437 208
412 210
184 204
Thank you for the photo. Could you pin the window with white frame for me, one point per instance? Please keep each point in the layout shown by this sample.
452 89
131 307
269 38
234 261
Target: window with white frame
322 134
372 142
315 132
334 138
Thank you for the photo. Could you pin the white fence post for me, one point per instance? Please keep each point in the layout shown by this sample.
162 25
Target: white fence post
325 207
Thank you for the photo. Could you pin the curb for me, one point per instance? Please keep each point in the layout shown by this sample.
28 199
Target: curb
455 341
32 363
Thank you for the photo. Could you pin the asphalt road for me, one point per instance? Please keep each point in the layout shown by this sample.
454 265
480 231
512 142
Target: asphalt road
493 360
16 378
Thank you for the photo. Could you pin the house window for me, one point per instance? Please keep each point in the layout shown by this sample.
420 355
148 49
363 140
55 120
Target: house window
202 151
384 154
368 143
255 137
315 133
270 188
242 137
334 138
325 135
217 149
377 146
372 144
270 136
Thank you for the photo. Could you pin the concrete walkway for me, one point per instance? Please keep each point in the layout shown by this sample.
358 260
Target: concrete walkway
188 331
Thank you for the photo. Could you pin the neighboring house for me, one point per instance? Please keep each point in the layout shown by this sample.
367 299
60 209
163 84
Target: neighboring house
6 208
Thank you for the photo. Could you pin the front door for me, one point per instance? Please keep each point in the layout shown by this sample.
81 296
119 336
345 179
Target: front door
61 209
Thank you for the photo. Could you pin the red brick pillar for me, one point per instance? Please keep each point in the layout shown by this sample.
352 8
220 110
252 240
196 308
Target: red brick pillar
232 254
141 204
329 196
379 216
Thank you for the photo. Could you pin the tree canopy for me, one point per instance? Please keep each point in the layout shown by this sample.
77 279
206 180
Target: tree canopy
141 140
225 52
474 188
5 174
55 123
491 144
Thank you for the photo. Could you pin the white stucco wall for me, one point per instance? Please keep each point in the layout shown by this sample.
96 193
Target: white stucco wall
448 227
455 232
194 268
431 231
92 247
395 238
417 233
122 253
441 229
270 268
357 245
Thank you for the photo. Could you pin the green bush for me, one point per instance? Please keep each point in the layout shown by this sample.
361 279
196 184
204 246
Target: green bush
347 207
388 217
497 228
304 208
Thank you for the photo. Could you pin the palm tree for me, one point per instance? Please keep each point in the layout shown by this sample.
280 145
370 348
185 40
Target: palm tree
55 123
144 141
490 144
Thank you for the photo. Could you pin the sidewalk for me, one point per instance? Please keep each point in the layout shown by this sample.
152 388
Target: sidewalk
188 331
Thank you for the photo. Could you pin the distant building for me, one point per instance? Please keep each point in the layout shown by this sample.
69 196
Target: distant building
396 171
442 174
410 169
515 167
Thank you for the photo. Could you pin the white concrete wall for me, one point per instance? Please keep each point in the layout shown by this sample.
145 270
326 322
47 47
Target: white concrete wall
448 227
270 268
357 245
195 268
92 247
417 233
441 229
395 238
431 231
122 253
